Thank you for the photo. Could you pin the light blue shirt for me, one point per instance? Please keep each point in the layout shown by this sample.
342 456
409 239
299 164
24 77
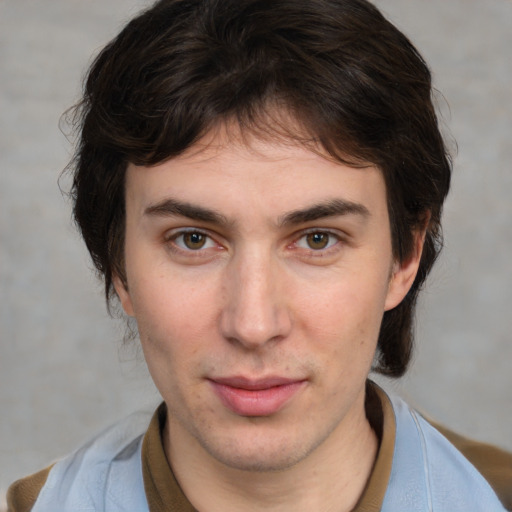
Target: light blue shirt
428 473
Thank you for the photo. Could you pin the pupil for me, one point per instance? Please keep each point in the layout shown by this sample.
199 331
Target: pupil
317 240
194 240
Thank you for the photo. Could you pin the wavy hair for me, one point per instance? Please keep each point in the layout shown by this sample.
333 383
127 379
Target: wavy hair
352 82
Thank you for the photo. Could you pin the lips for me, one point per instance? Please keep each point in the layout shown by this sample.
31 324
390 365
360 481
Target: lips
260 397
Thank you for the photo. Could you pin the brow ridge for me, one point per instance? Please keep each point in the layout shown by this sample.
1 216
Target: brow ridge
335 207
331 208
172 207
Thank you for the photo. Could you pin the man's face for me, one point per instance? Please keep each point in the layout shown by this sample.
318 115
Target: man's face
258 277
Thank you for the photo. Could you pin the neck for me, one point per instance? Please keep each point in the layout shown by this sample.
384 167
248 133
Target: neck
331 478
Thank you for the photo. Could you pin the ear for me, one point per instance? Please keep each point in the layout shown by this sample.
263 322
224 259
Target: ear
123 294
404 273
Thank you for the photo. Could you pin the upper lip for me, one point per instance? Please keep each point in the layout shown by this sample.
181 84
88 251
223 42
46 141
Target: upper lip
241 382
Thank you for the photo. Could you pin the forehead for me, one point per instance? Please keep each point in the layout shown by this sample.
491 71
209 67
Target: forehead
253 183
245 156
283 156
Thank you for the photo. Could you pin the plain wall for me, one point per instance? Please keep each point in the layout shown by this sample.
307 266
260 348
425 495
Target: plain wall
64 372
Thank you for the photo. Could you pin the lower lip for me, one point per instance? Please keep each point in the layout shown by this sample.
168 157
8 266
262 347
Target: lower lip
260 402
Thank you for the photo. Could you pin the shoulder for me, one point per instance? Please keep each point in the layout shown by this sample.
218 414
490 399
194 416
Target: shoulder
23 493
493 463
104 468
436 470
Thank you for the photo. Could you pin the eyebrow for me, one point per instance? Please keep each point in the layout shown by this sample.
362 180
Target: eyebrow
335 207
331 208
172 207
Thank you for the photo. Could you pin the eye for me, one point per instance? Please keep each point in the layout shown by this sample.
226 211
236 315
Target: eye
193 241
317 240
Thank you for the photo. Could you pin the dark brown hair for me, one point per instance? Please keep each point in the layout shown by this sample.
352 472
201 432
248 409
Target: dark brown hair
353 83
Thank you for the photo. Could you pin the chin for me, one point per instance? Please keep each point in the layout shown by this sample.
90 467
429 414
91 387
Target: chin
260 453
259 462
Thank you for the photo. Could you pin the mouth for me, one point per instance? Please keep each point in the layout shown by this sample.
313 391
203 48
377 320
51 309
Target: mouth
256 397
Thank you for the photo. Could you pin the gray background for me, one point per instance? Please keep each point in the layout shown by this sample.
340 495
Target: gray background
64 372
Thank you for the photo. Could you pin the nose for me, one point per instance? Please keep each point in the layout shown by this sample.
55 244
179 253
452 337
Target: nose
255 311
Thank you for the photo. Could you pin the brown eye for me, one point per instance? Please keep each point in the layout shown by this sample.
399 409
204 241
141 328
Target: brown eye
194 240
193 244
317 241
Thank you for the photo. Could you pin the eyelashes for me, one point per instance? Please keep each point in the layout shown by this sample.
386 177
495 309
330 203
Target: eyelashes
196 243
192 245
317 240
193 241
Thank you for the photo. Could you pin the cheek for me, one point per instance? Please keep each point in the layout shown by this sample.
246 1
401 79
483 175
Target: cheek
168 317
171 341
172 300
347 304
344 323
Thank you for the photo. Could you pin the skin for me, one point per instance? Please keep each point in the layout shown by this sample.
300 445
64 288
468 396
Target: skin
233 269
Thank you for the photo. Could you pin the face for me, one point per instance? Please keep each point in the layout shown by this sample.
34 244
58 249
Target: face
258 275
